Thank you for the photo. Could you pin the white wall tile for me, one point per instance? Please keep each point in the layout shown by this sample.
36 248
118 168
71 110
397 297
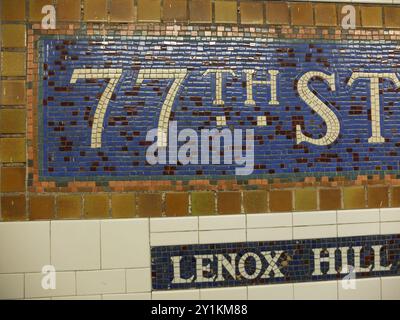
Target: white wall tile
138 280
174 238
358 229
24 246
324 290
65 285
390 214
222 222
366 289
390 288
88 297
271 292
192 294
390 227
236 293
100 282
269 234
128 296
174 224
222 236
269 220
125 244
75 245
11 286
314 218
315 232
358 216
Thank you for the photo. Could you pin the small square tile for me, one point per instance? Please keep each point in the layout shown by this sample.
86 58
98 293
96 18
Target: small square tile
122 11
343 13
12 93
378 197
175 10
325 14
149 205
277 13
149 10
226 12
35 9
69 207
12 64
12 10
69 10
12 150
12 121
13 35
330 199
41 207
252 12
306 199
200 11
229 202
123 205
395 197
95 10
177 204
13 208
392 17
371 17
96 206
280 201
354 198
255 201
12 179
302 14
203 203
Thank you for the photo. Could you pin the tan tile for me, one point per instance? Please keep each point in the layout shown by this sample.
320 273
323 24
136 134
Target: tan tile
255 201
177 204
378 197
41 207
149 205
200 11
69 10
229 202
252 12
69 207
203 203
123 205
330 199
13 208
306 199
95 10
302 14
280 201
12 64
354 197
392 16
149 10
325 14
277 12
371 17
12 121
122 11
13 35
12 92
342 13
96 206
226 11
35 9
12 10
12 150
175 10
395 197
12 179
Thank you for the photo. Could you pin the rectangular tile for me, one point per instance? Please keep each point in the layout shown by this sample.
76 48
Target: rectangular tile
324 290
222 236
365 289
222 222
128 296
138 280
270 234
360 229
176 295
390 214
271 292
358 216
64 285
390 288
269 220
174 224
11 286
390 228
173 238
100 282
314 218
315 232
225 294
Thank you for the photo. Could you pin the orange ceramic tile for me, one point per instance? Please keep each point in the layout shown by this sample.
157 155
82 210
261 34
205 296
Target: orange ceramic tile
203 203
252 12
395 197
122 11
41 207
149 10
95 10
12 179
96 206
69 10
200 11
69 206
12 150
371 17
378 197
255 201
123 205
354 197
35 9
280 201
302 14
177 204
13 208
305 199
325 14
149 205
229 202
12 10
12 64
13 35
12 121
12 93
392 17
277 12
330 199
225 11
175 10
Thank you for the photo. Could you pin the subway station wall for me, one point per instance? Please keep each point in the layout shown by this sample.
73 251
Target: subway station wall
108 120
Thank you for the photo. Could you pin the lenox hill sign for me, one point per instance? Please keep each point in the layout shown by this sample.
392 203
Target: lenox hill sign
322 108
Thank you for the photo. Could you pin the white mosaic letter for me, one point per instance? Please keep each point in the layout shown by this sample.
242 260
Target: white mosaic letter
250 83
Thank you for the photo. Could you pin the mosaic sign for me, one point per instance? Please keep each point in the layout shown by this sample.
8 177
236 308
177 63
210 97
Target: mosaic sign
315 109
257 263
